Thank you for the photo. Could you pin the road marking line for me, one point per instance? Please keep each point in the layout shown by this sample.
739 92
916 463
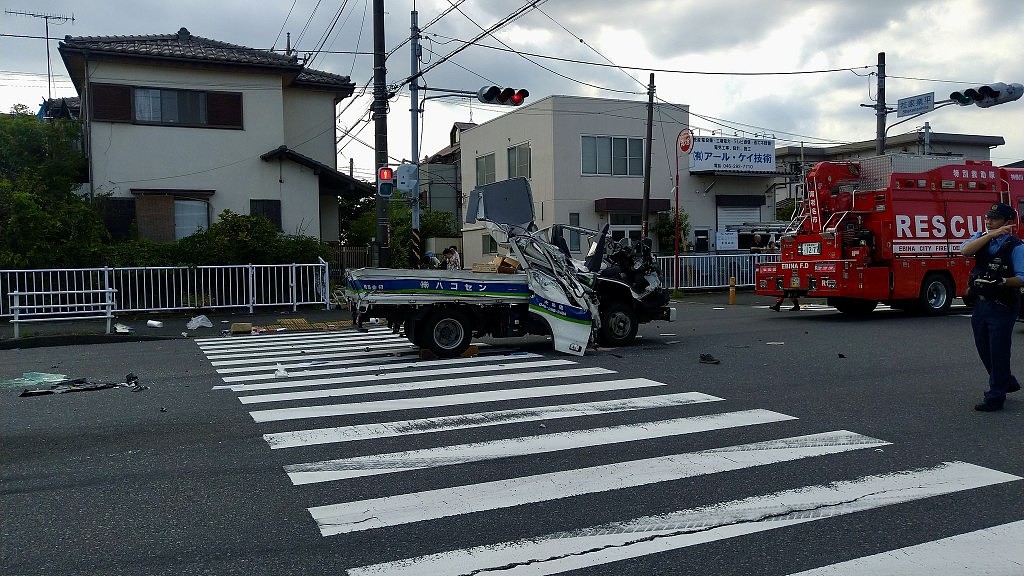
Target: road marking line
377 350
448 400
418 506
317 362
317 371
281 339
345 468
995 550
422 385
307 346
597 545
246 338
295 438
292 383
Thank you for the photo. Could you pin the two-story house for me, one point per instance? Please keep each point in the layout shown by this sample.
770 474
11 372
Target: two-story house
178 128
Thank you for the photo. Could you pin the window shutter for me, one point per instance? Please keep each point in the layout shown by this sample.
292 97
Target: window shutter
269 209
111 103
224 109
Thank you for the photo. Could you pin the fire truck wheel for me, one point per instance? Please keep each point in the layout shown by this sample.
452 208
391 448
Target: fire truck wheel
936 294
618 325
446 333
853 306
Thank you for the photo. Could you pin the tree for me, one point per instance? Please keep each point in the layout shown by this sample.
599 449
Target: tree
43 223
433 224
664 231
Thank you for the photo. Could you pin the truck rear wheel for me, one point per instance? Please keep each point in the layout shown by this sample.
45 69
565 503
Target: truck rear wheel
446 333
936 295
853 306
618 325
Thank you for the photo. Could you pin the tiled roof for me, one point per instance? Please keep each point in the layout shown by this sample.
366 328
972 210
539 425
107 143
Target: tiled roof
180 46
184 47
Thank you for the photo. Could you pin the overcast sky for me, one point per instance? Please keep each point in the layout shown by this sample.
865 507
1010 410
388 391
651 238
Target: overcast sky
930 46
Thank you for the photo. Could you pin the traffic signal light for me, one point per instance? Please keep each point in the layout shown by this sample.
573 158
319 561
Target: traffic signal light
988 95
385 181
407 177
503 96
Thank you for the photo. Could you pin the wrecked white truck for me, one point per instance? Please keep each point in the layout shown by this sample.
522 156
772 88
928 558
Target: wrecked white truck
601 299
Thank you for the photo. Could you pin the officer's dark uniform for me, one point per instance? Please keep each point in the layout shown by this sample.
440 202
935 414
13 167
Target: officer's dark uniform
995 314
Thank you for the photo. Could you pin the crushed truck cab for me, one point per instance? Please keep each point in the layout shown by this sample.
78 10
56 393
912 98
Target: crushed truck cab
888 229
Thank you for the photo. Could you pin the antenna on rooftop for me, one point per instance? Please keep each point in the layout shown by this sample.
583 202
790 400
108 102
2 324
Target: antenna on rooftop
59 19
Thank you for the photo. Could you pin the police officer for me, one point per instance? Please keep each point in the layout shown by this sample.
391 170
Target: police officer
996 279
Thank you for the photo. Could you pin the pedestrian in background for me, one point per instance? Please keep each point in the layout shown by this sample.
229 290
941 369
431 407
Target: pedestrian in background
995 282
455 258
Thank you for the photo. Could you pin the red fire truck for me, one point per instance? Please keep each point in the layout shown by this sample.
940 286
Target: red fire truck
888 229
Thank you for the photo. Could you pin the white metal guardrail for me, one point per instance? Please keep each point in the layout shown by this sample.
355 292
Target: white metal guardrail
70 291
49 305
711 271
167 288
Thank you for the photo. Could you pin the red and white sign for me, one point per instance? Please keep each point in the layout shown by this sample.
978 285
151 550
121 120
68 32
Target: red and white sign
685 141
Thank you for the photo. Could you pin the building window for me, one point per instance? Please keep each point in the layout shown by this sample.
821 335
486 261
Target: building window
269 209
574 237
489 243
170 106
114 103
168 215
519 161
625 226
485 170
190 216
612 156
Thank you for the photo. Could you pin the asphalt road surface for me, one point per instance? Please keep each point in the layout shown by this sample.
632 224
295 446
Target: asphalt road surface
817 445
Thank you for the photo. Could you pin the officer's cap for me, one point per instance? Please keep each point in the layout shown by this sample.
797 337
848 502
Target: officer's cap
1000 210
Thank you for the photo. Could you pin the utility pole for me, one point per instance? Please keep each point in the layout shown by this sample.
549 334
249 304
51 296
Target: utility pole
46 18
880 109
379 111
647 160
415 248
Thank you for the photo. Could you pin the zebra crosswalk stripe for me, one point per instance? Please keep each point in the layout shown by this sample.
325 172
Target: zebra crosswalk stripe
421 385
344 468
579 549
448 400
998 550
417 506
353 433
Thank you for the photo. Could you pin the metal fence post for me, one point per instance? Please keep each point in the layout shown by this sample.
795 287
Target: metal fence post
294 294
252 288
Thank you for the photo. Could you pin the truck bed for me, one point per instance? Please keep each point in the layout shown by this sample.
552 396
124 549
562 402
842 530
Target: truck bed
391 286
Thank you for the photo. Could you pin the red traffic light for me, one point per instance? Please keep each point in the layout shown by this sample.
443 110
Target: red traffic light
385 173
503 96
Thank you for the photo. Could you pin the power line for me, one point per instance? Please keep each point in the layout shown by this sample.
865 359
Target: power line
524 57
661 70
514 15
283 24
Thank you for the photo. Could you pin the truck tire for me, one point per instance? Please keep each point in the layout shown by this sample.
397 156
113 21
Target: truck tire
446 333
854 306
409 328
936 295
618 325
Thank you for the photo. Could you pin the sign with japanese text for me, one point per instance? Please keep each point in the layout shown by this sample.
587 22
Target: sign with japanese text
711 153
915 105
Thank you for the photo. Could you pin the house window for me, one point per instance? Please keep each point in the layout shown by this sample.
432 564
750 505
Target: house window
489 244
519 161
612 156
168 215
574 237
144 105
269 209
170 106
190 216
485 170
